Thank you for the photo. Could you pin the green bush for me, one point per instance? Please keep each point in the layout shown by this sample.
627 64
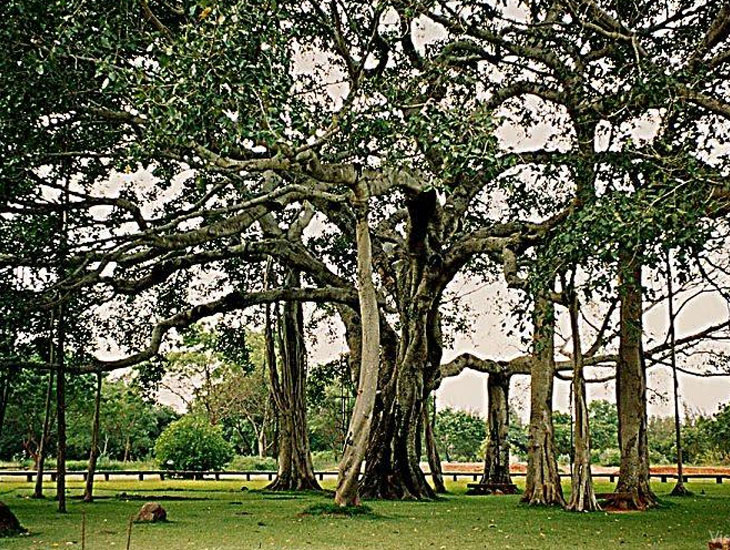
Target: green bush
611 457
254 463
191 443
324 460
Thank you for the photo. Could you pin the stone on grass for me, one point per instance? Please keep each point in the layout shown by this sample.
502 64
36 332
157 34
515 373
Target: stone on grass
9 524
151 512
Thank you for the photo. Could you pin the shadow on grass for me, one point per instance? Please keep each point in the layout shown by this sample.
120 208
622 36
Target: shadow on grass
266 494
332 510
146 498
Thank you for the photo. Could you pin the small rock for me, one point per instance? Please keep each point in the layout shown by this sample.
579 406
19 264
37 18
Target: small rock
151 512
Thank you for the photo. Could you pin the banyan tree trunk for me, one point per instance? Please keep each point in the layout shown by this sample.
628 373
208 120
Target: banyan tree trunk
295 471
432 453
94 451
582 496
632 491
496 460
542 485
358 433
392 469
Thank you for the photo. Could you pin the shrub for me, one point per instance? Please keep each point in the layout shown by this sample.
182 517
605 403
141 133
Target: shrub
192 444
254 463
324 460
611 457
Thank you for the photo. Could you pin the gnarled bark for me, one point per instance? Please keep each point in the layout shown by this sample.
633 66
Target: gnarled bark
633 490
295 468
496 459
543 478
392 468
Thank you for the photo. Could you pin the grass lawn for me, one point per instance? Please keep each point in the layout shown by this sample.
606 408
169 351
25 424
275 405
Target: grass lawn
218 515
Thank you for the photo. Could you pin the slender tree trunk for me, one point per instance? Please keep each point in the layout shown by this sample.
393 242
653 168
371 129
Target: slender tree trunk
542 486
633 490
295 471
45 436
5 392
61 415
679 489
496 474
432 453
261 443
347 493
61 360
582 496
94 451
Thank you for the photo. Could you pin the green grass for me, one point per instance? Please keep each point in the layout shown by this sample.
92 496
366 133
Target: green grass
221 516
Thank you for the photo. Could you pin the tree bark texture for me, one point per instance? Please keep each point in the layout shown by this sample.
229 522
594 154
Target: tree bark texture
542 485
496 459
392 468
633 490
288 382
582 495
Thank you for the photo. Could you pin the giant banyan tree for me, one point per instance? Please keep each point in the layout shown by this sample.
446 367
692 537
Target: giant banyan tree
361 157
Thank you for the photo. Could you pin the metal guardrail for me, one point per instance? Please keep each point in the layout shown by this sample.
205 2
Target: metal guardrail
252 474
